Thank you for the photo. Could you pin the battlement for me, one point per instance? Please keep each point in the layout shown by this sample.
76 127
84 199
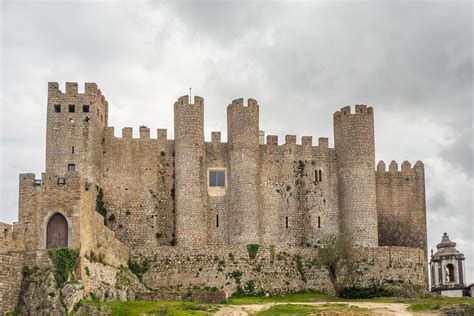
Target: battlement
184 101
306 141
72 91
216 137
238 105
359 109
406 168
127 133
70 180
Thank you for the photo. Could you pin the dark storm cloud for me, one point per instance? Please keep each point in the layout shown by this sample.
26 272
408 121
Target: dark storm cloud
412 61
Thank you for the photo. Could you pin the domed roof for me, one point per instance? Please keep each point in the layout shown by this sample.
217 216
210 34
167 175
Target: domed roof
447 247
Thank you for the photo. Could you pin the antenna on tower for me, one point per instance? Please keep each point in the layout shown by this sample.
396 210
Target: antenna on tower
190 95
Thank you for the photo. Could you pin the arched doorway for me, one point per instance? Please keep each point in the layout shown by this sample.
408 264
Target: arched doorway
56 232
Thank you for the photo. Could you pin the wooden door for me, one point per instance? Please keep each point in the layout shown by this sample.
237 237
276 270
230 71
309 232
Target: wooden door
56 232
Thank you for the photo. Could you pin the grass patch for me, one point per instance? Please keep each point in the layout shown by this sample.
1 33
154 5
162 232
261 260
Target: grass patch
297 297
294 309
119 308
434 303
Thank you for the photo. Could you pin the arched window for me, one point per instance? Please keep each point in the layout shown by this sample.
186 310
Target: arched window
449 273
56 232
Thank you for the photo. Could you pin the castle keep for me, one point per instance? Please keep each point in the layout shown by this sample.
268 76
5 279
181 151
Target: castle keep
166 195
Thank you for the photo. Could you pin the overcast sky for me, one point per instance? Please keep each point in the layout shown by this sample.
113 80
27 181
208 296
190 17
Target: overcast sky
411 61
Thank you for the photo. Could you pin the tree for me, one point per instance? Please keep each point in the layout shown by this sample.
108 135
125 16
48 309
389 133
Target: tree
334 253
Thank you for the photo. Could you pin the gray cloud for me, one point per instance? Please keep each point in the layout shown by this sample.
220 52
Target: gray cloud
412 61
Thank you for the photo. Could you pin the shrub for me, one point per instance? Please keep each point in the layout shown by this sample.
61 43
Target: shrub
272 251
100 204
65 261
253 250
365 292
138 268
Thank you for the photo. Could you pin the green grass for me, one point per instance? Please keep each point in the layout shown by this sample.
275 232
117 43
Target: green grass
298 297
425 304
293 309
119 308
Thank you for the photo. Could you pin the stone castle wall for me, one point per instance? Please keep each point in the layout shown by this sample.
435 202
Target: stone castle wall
401 205
277 271
10 280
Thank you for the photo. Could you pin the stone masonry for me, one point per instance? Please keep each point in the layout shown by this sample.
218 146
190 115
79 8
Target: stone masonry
157 194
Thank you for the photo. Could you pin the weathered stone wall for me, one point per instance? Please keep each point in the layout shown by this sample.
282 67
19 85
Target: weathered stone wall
10 280
281 270
299 191
243 172
401 205
138 187
190 172
355 152
75 137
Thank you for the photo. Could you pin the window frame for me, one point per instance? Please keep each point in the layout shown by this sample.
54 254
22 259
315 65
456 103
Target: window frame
71 167
217 171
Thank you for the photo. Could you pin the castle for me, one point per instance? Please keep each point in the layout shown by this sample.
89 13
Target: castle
125 195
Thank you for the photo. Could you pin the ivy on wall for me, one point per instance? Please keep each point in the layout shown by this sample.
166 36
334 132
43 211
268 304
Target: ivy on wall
65 261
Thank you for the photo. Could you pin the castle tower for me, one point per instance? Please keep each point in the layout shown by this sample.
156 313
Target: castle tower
75 127
355 152
243 200
190 173
448 275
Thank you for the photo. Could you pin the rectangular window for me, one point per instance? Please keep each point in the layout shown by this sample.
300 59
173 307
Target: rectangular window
61 181
57 108
71 167
72 108
85 108
217 178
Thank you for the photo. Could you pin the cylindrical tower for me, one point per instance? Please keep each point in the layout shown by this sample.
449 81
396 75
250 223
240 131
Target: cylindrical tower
190 177
355 153
243 199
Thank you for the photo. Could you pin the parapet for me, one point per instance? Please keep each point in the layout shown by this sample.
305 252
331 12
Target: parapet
359 109
307 141
406 168
144 132
127 132
184 100
216 137
272 140
238 105
290 139
323 142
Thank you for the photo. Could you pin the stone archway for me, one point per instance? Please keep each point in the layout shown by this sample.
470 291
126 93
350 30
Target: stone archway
56 232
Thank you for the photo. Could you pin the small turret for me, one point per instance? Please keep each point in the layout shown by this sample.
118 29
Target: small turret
355 152
243 142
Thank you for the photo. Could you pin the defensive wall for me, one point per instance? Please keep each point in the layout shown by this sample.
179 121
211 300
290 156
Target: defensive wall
275 269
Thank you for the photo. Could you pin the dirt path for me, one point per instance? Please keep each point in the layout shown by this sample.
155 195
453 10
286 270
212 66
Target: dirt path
375 308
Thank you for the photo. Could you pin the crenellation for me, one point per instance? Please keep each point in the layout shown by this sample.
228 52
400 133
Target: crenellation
71 89
307 141
290 140
215 137
323 142
381 167
272 140
162 134
127 132
144 132
393 167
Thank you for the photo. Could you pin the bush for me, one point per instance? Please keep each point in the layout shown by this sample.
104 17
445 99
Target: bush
253 250
138 268
65 261
365 292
